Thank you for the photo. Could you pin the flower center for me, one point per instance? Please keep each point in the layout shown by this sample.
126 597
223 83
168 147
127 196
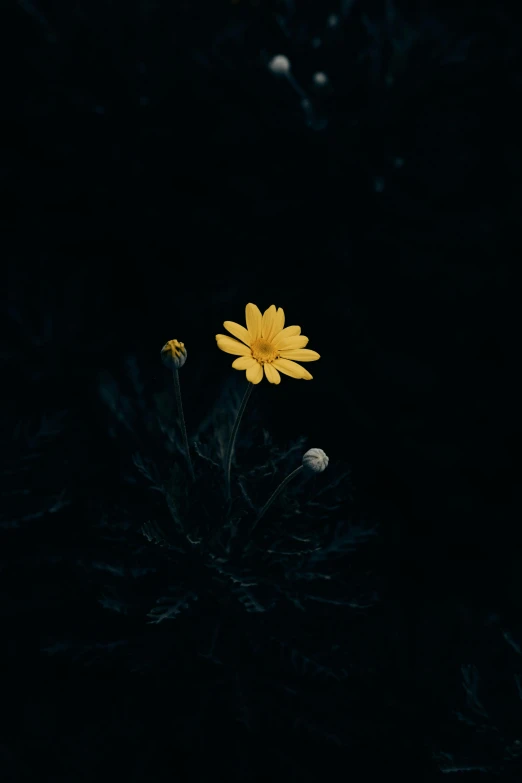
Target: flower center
263 351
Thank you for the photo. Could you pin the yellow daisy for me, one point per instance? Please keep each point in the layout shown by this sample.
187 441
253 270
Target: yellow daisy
267 345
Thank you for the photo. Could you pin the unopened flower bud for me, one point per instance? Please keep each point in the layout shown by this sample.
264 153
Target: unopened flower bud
174 354
315 460
279 64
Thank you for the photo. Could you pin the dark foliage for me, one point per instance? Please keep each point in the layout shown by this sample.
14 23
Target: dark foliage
180 548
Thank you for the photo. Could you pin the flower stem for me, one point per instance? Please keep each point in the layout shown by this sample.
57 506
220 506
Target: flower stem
177 391
230 450
275 494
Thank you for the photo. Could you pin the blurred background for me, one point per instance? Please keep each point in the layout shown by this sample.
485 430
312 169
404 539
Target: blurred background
359 165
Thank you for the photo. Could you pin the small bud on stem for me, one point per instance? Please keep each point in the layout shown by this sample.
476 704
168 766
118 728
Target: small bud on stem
315 460
174 355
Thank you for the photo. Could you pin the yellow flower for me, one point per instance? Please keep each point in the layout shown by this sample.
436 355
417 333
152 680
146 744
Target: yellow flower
267 345
174 354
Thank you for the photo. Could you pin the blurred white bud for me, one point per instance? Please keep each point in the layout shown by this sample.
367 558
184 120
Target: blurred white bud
332 20
320 78
279 64
315 460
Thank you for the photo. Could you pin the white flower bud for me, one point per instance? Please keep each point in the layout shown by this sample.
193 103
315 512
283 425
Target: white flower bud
280 64
315 460
174 354
320 79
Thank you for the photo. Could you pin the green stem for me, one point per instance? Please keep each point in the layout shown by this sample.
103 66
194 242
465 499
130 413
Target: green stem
177 391
230 450
275 494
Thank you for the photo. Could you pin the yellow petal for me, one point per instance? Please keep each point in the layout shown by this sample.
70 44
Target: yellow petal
290 331
254 373
301 355
292 369
238 331
271 373
299 341
228 345
267 324
253 320
243 362
279 322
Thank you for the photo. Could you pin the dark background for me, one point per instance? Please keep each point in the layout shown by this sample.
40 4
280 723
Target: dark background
157 177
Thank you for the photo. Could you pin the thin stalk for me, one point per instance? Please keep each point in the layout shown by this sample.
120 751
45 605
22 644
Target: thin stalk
275 494
177 390
230 450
